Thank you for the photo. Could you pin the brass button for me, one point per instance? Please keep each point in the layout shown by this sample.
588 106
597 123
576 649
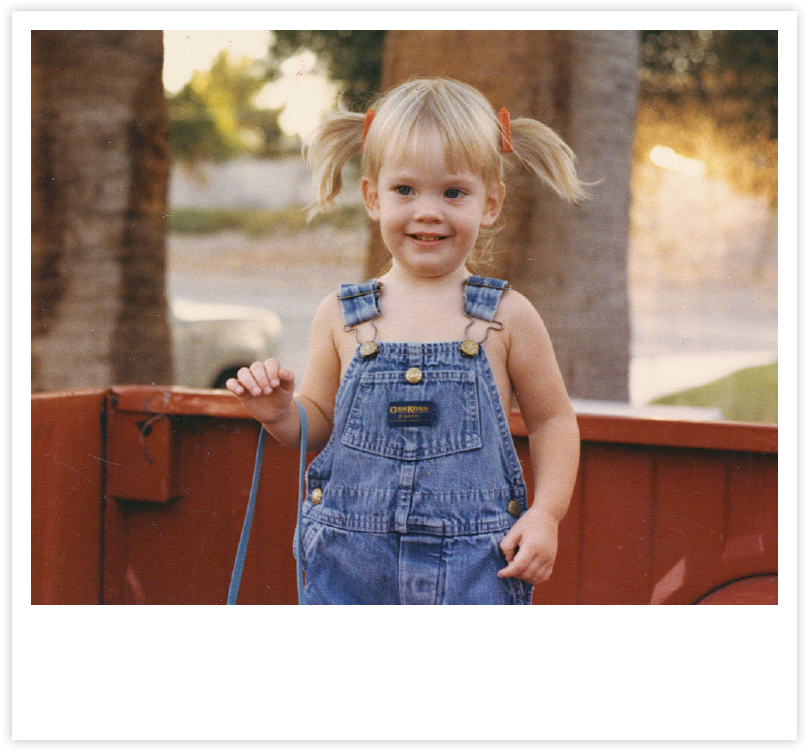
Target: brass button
368 349
469 347
514 510
413 375
316 495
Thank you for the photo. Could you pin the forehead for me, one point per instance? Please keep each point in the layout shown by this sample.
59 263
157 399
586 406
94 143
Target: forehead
427 151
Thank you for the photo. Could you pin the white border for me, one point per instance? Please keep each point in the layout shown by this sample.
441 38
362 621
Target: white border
552 673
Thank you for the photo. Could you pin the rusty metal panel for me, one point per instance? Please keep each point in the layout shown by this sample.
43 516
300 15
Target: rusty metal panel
648 496
562 587
617 526
757 590
751 521
690 503
67 474
145 456
182 551
745 437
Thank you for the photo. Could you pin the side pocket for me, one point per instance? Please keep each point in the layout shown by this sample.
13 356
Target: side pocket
311 532
521 591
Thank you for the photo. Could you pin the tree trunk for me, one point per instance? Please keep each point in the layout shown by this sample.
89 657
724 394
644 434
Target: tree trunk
99 190
569 261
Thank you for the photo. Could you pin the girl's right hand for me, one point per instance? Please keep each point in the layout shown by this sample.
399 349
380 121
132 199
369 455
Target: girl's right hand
264 389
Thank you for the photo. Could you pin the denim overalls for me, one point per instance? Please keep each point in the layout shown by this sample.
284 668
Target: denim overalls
419 481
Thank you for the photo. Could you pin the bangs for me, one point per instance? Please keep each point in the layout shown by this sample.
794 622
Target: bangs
467 127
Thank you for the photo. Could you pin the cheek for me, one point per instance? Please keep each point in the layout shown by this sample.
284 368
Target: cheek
391 213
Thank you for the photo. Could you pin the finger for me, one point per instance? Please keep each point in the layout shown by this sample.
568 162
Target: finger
509 545
519 565
247 380
537 571
265 375
276 377
235 387
514 568
286 377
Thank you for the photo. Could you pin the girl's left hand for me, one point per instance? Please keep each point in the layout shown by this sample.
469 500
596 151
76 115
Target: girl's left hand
530 547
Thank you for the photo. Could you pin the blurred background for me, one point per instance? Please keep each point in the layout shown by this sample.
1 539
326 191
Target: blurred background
169 235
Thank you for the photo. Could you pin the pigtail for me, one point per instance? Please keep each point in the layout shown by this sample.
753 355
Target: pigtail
545 153
333 143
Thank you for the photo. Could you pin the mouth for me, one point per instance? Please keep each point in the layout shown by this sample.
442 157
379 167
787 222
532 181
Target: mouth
428 238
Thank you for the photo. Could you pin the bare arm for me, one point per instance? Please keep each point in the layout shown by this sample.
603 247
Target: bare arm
266 390
531 544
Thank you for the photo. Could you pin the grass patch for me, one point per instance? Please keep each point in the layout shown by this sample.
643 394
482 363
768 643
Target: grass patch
748 395
259 223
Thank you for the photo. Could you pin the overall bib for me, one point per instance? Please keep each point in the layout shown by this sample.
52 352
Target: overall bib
419 481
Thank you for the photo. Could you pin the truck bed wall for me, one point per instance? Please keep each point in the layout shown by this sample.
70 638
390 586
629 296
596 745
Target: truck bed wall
139 494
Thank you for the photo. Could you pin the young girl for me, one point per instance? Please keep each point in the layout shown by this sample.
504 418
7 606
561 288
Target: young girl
417 496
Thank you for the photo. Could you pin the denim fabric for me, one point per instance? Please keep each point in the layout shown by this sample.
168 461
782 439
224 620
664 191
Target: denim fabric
414 514
482 296
360 303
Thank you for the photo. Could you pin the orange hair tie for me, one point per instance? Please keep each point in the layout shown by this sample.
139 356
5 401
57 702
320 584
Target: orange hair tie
505 121
369 115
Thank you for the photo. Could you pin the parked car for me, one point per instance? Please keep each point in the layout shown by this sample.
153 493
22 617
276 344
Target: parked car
210 342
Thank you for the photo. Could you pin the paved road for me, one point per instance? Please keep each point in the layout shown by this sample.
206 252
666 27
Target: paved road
688 335
682 335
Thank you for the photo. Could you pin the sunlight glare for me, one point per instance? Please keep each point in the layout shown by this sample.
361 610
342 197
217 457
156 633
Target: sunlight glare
668 159
195 50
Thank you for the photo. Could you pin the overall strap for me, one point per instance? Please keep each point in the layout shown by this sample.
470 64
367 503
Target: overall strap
360 302
482 296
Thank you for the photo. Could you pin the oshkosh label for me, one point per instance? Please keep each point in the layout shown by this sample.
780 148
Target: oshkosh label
412 414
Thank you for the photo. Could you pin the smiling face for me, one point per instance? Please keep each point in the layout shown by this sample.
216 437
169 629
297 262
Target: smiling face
429 211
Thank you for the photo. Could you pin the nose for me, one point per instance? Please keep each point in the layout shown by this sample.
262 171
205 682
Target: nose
427 209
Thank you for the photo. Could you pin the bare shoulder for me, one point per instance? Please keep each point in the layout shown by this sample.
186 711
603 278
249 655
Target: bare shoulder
330 308
328 332
526 337
518 315
327 317
322 372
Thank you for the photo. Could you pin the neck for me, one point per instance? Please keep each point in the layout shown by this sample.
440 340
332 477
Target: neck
399 276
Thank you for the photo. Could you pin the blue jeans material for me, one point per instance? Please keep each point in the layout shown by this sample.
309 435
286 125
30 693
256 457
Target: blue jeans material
415 481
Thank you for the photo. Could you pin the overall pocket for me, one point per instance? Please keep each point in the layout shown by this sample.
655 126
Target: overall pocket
394 418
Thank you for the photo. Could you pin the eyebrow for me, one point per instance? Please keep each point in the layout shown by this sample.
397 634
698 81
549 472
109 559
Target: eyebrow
406 175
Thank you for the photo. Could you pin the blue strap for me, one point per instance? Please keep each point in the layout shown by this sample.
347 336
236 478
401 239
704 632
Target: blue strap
360 302
482 296
241 553
301 495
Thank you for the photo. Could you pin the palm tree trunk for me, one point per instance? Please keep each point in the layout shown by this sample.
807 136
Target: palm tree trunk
100 177
569 261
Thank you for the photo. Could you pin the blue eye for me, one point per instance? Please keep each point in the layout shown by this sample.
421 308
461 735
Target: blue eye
453 193
403 190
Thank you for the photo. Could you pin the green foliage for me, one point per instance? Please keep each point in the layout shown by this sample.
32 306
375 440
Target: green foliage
737 68
713 94
748 395
351 58
259 223
214 116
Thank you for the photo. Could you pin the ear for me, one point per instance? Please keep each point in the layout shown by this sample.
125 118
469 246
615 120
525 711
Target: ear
493 204
370 196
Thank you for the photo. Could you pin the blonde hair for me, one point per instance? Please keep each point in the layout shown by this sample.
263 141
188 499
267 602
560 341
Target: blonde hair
463 117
